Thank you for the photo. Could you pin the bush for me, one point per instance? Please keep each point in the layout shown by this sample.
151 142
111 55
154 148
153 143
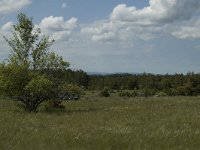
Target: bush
171 92
70 91
134 93
105 92
38 90
128 94
124 94
24 86
149 92
161 94
53 104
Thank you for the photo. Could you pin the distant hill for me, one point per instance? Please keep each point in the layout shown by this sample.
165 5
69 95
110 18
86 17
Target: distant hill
99 73
106 73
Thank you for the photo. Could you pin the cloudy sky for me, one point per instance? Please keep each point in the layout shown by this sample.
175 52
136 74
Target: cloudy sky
154 36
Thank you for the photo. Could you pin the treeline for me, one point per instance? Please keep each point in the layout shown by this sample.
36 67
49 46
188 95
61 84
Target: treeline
70 76
149 84
146 84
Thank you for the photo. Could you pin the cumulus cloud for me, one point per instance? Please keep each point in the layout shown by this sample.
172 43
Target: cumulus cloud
8 6
158 11
117 31
188 31
127 22
101 31
57 27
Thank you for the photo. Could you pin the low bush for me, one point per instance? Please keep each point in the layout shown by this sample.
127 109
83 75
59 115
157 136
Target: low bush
52 105
128 94
70 89
105 92
124 94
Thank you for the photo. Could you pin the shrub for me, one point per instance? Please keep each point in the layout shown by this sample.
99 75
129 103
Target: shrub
70 88
124 94
149 92
38 90
134 93
128 94
161 94
28 88
105 92
53 104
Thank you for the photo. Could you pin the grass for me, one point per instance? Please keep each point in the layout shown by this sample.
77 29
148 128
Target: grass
105 123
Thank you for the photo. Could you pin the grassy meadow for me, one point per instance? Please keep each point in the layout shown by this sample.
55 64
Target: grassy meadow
104 124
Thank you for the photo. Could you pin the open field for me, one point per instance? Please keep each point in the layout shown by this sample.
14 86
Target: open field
105 123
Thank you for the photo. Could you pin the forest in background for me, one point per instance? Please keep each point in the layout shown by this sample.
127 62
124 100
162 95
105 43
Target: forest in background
144 84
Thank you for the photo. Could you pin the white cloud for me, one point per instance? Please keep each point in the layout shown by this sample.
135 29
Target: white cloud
188 31
8 6
58 23
125 23
64 5
5 30
7 27
101 31
158 11
118 31
104 37
57 27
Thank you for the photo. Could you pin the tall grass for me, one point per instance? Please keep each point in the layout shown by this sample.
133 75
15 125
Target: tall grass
104 123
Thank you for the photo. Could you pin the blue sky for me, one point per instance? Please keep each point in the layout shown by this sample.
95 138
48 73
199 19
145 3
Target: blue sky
155 36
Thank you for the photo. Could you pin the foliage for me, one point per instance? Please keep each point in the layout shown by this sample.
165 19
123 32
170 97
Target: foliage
165 84
125 93
149 84
25 75
24 86
105 92
38 90
52 105
13 79
149 92
70 89
160 94
29 48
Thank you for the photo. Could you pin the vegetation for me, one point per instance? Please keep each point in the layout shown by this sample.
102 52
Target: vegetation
104 123
105 92
148 84
22 76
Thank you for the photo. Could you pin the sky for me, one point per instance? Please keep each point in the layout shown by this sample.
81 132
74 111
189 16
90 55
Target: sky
133 36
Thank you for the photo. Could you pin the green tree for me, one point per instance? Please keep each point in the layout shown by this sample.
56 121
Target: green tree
30 49
21 76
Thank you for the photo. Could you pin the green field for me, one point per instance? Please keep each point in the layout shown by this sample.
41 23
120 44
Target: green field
104 123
